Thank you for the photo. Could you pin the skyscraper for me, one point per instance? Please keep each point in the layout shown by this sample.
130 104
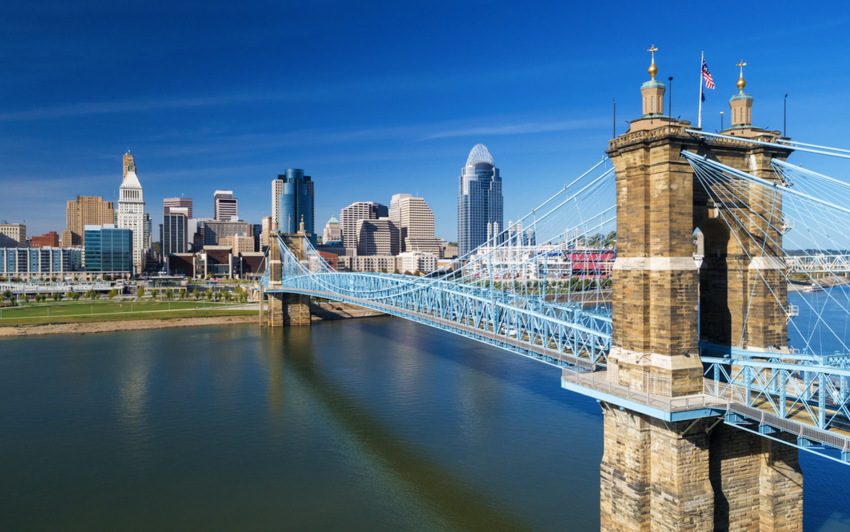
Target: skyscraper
225 205
294 201
175 230
185 203
13 235
108 248
129 161
361 210
479 205
395 211
415 222
333 231
131 215
265 232
146 241
85 210
377 237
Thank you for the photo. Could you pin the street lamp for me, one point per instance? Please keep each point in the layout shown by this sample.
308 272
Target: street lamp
670 98
615 117
784 115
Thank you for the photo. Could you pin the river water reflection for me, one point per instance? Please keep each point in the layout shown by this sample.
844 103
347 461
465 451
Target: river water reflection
374 424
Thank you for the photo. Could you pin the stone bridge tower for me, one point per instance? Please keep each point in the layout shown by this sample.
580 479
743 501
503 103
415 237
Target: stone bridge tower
688 475
287 309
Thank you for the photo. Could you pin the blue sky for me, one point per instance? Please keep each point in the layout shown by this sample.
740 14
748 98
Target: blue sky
373 99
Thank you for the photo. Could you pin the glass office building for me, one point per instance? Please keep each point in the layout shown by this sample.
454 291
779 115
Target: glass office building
175 231
479 202
108 249
296 201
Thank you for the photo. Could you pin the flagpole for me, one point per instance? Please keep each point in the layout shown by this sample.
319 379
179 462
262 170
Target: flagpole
699 120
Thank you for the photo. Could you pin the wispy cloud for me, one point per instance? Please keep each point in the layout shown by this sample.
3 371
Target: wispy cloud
222 145
516 129
92 108
421 82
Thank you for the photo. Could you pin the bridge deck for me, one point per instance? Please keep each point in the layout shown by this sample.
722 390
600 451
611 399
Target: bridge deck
760 412
594 382
512 343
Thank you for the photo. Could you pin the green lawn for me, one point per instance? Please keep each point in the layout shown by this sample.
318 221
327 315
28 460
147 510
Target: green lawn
81 311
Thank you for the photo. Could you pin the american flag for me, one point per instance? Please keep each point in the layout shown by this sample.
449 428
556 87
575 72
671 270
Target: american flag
709 83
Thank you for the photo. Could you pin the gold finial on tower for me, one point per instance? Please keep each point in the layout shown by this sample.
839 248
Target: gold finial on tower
301 226
741 83
652 68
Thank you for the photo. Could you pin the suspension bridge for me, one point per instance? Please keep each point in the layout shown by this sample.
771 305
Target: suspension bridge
706 355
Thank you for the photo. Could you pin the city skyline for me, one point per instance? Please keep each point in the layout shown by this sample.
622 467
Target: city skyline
200 120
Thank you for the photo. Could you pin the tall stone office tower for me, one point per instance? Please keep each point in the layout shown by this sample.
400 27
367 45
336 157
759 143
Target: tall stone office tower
128 161
85 210
131 214
699 475
479 202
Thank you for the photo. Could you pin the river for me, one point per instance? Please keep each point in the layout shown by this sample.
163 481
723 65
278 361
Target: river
372 424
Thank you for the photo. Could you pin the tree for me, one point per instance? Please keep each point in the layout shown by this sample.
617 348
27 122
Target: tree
69 294
7 294
76 296
140 293
196 294
112 293
169 293
228 296
417 273
209 294
183 293
57 296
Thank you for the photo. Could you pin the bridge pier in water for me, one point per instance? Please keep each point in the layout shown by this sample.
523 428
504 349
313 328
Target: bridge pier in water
691 474
286 309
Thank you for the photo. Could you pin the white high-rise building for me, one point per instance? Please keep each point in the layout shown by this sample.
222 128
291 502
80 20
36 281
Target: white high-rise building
362 210
377 237
333 231
395 211
226 206
415 221
131 215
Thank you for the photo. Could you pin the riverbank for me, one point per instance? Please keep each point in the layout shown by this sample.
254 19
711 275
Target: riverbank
127 324
826 282
340 311
164 319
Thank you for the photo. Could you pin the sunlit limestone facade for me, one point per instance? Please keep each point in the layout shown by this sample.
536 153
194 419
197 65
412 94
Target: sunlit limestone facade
131 215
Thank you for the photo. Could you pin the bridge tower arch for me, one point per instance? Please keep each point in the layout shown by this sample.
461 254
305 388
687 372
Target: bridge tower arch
690 475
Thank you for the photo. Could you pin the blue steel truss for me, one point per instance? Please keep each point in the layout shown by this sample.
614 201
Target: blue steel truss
797 218
523 291
559 334
539 288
